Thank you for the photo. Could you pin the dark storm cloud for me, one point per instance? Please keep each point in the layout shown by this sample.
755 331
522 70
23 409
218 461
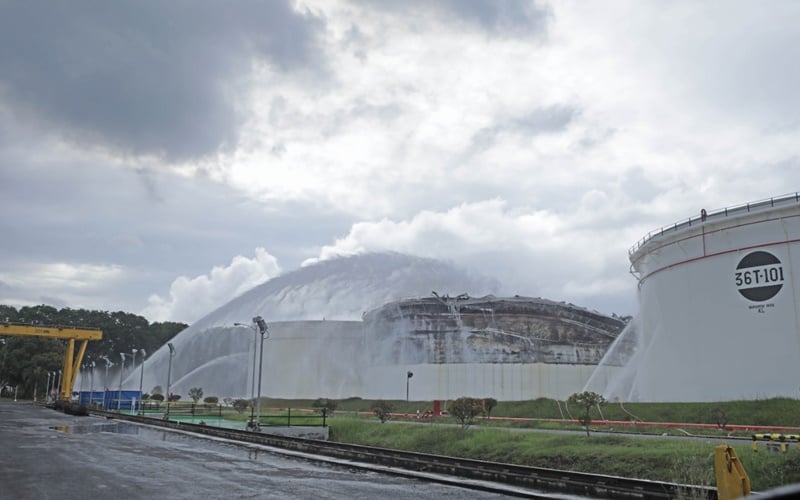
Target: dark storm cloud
145 77
85 213
496 17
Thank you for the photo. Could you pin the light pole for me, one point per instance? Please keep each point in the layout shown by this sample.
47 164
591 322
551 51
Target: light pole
133 367
121 370
105 381
253 383
82 372
262 329
58 386
52 385
169 374
36 372
141 379
48 388
408 382
91 388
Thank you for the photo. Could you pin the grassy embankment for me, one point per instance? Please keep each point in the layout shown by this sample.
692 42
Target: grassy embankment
679 460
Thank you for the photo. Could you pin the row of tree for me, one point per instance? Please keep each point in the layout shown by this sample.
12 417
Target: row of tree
466 409
25 361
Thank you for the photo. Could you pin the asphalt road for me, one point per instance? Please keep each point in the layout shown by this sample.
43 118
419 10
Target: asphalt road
45 454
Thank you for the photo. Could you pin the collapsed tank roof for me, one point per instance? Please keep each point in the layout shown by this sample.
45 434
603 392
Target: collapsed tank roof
491 329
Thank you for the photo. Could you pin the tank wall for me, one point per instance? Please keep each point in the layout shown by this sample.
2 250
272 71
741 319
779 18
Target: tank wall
504 382
313 359
718 306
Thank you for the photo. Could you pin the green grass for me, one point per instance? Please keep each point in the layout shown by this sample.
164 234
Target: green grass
673 460
773 411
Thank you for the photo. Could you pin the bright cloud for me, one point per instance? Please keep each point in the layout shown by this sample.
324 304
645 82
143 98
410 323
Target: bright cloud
61 283
191 298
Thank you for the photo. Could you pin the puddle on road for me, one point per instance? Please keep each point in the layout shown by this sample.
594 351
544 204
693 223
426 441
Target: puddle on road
115 428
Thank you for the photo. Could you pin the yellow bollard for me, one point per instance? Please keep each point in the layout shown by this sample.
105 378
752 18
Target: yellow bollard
732 480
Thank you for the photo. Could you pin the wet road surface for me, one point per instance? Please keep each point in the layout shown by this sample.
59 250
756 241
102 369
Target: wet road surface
45 454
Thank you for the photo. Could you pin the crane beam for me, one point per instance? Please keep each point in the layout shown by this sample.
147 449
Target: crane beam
72 361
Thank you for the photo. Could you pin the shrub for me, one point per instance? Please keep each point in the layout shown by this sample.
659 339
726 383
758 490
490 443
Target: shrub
157 397
212 400
465 410
488 405
240 405
196 393
382 409
329 405
586 401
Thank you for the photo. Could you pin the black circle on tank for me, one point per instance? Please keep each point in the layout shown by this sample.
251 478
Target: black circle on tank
768 290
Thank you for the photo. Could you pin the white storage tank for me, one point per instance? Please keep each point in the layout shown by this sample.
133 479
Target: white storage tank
718 307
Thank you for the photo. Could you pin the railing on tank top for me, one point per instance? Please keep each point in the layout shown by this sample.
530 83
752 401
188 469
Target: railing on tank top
787 199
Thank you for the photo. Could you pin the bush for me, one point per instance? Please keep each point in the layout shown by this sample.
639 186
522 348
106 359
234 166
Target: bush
488 405
586 400
157 397
196 393
329 405
465 410
382 410
212 400
240 405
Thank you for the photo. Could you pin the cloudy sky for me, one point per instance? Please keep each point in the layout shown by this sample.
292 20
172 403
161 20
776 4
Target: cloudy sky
163 157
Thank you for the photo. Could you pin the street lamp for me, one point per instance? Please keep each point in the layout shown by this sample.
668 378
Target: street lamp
58 386
82 372
262 329
109 363
91 389
52 386
141 379
408 381
121 370
253 382
169 374
48 388
36 372
133 367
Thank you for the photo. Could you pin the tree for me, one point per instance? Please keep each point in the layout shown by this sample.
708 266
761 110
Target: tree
382 409
488 405
211 400
240 405
465 410
158 391
21 358
587 401
329 405
196 393
720 418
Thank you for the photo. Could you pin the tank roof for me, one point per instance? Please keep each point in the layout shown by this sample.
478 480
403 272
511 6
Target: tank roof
791 199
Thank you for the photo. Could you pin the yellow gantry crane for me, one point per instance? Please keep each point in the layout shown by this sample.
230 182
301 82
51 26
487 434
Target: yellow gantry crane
72 360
